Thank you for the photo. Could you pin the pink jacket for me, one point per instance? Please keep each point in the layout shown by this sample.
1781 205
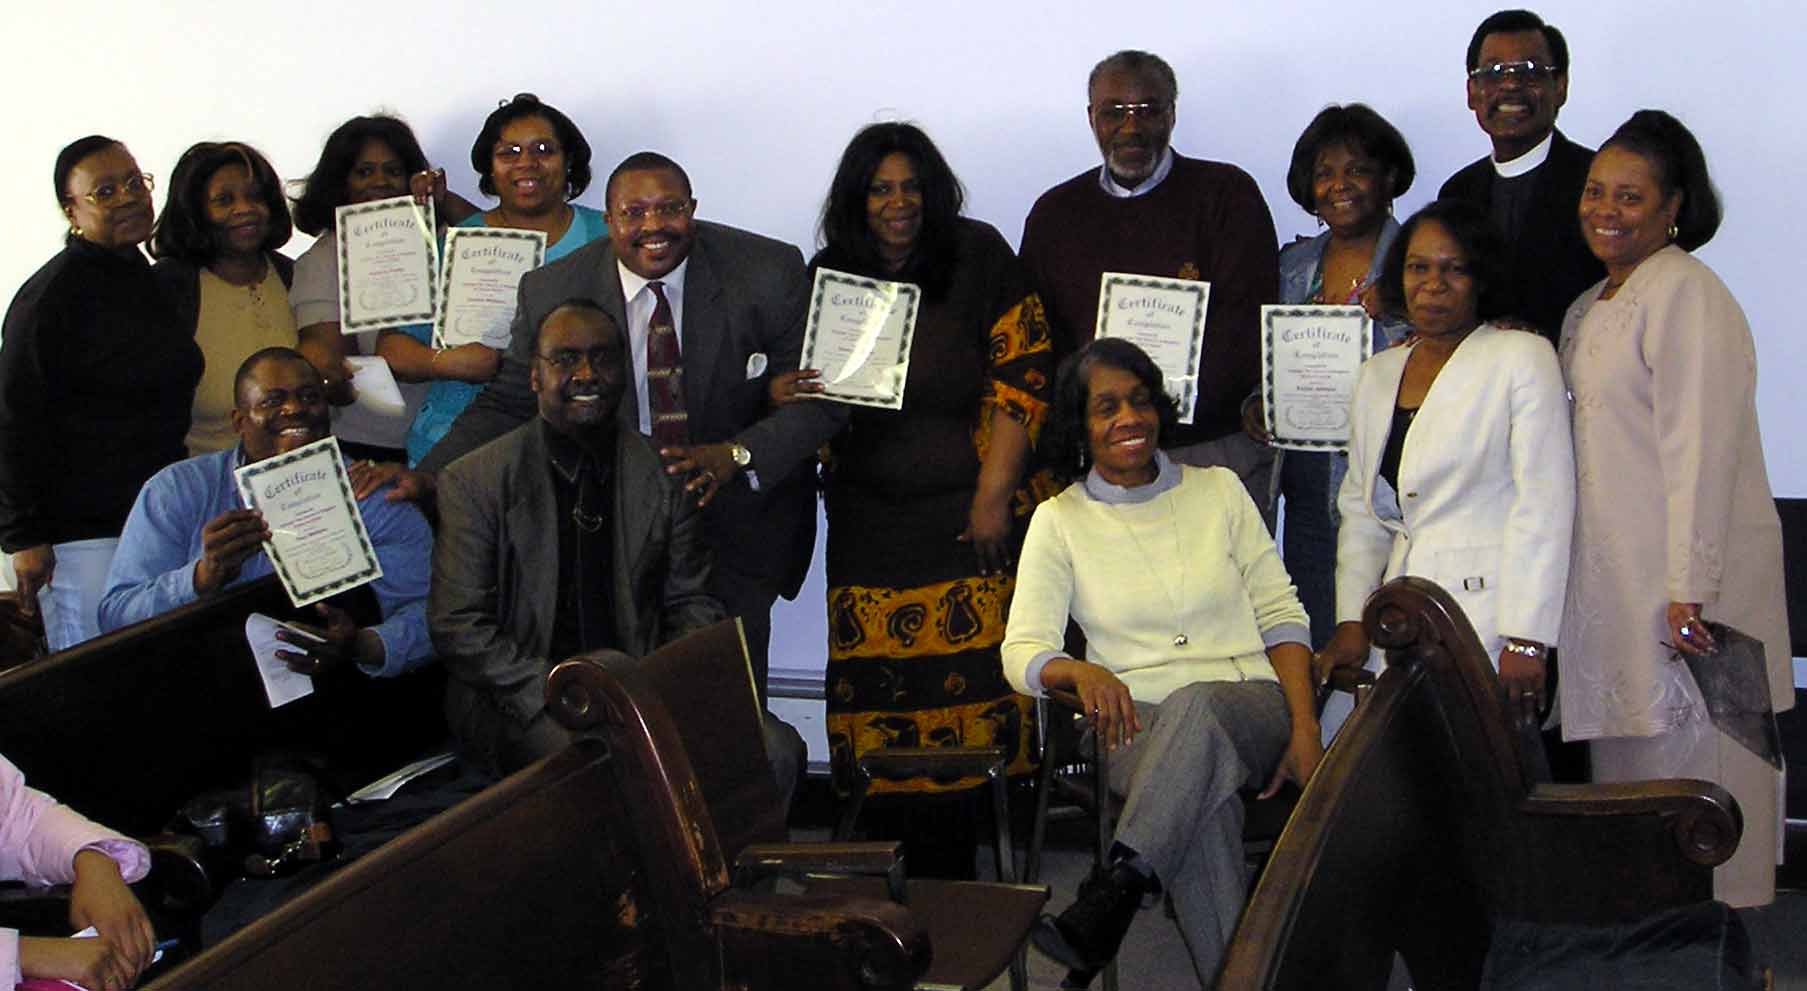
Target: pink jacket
38 843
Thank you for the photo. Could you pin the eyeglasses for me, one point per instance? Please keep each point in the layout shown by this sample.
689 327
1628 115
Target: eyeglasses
669 210
1115 114
513 152
134 186
567 359
1529 71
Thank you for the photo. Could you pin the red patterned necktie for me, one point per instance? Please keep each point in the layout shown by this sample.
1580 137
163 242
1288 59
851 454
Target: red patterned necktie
665 375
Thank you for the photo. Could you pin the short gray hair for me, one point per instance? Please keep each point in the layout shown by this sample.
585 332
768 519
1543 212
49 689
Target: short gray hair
1137 62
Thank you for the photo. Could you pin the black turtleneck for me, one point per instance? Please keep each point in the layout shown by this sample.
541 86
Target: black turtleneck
582 478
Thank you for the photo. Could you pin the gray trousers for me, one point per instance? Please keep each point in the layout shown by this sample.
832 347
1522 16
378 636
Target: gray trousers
1180 777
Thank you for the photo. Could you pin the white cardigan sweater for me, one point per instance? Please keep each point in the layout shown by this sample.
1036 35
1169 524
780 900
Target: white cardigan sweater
1185 555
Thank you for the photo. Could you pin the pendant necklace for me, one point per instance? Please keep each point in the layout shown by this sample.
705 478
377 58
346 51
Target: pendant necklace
1179 637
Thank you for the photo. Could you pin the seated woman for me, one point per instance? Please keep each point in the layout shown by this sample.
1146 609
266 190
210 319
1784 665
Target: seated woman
215 247
1460 463
536 161
366 159
42 842
1197 642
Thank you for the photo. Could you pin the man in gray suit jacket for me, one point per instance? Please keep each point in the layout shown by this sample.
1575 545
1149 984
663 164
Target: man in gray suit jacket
562 537
737 301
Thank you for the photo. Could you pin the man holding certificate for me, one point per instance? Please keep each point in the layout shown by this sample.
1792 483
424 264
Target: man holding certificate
189 535
710 314
1162 231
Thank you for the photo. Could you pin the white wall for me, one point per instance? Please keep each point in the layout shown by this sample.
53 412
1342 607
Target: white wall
758 99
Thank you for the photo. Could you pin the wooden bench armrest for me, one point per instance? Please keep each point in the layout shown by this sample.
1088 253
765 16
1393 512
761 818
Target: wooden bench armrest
1703 817
828 941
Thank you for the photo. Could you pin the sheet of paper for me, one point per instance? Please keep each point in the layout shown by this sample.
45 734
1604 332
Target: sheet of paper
318 544
1309 359
1163 317
388 264
379 407
858 335
479 283
387 785
281 684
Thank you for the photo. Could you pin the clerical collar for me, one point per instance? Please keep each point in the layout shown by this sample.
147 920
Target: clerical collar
1167 475
1528 161
1114 188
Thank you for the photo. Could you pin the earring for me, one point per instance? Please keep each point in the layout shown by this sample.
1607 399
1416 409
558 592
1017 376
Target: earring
1320 220
1674 232
75 230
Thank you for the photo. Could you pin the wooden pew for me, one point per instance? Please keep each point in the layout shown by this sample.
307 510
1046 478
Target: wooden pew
535 883
127 727
1421 831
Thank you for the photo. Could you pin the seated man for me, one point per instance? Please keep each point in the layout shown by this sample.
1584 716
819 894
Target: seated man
189 537
564 536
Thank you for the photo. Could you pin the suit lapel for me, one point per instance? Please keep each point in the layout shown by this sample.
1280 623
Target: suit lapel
533 530
1375 443
636 515
703 329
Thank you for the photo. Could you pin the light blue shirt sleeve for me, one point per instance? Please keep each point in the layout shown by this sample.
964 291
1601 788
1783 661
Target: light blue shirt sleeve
404 545
153 569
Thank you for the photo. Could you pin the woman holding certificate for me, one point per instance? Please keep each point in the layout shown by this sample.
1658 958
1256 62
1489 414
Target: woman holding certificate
1197 672
1460 467
535 161
1675 524
364 160
216 258
1347 168
96 379
925 503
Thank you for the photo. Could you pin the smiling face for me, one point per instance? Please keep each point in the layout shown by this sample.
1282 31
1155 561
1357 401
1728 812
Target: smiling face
651 214
894 208
123 216
1123 427
281 406
1441 295
1518 111
578 370
1132 118
528 167
377 174
1625 215
1350 189
236 210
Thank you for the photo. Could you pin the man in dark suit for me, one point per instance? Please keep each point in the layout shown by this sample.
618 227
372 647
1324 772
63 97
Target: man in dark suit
564 536
1518 78
710 313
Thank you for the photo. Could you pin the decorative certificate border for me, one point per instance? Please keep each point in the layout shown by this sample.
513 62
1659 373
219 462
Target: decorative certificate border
907 293
424 217
247 489
1187 398
448 257
1270 316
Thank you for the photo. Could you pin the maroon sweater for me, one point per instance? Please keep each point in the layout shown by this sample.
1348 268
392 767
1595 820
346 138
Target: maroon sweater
1206 221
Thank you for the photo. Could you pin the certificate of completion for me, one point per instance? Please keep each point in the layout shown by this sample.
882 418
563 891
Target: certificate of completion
1309 358
858 336
317 538
479 281
388 264
1163 317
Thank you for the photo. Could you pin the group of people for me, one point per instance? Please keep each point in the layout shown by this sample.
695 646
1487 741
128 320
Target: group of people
644 457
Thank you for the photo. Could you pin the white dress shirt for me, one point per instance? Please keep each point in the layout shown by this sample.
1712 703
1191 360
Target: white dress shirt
640 306
1122 192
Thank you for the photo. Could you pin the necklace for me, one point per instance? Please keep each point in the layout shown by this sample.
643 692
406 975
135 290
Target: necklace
1180 639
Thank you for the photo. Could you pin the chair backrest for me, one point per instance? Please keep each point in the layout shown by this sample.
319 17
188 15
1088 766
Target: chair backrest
685 728
127 727
1421 827
534 883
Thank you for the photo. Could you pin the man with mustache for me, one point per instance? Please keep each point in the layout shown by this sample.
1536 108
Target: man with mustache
1153 211
1518 78
565 536
710 313
189 536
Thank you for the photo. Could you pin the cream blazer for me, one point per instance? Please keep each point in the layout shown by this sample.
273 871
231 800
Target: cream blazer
1488 487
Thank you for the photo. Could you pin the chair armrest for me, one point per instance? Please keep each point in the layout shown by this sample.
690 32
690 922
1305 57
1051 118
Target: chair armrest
820 941
178 880
759 861
35 910
944 764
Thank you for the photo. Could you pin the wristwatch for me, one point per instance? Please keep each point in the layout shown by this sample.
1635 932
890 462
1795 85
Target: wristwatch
1527 648
742 457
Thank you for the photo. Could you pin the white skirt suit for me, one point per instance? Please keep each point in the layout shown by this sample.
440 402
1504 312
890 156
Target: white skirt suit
1487 480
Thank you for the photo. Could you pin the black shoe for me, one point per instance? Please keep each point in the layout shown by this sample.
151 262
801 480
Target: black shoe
1086 936
1077 980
